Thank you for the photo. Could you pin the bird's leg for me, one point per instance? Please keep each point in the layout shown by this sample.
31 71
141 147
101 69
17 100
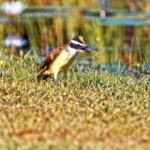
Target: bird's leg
55 75
65 75
55 78
65 72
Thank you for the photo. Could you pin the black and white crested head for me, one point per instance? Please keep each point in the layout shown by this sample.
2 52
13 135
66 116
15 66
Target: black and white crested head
78 43
78 38
60 59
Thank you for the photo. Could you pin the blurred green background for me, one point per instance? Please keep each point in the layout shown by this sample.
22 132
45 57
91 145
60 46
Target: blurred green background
122 35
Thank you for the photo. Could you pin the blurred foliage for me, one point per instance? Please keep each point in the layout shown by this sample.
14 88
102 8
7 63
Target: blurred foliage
49 26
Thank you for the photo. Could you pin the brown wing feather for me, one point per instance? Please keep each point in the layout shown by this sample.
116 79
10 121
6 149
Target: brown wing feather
49 59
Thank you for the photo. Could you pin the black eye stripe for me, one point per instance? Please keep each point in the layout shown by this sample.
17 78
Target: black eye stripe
74 45
77 46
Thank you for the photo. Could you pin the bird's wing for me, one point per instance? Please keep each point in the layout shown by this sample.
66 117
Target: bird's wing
51 57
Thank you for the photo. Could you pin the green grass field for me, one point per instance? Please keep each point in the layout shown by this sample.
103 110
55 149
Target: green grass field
88 111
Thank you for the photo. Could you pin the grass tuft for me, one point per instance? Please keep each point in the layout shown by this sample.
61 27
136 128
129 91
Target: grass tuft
89 110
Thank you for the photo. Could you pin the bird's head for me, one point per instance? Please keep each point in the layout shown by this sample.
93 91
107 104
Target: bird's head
79 45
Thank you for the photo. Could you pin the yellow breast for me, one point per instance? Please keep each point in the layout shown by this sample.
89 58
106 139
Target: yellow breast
63 59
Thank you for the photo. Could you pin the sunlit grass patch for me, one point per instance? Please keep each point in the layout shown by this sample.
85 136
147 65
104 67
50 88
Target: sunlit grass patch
88 110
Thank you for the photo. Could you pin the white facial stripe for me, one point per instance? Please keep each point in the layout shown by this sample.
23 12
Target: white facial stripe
72 50
76 42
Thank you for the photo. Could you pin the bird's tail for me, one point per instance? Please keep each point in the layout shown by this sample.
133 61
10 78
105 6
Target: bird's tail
42 77
39 77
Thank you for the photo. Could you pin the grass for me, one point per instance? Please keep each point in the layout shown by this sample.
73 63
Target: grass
89 110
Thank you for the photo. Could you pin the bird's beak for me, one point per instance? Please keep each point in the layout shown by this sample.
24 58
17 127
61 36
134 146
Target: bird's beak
86 49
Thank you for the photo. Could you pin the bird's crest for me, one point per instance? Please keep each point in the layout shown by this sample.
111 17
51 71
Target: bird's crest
81 38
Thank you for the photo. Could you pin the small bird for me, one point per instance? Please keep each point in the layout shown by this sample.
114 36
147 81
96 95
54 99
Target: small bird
60 59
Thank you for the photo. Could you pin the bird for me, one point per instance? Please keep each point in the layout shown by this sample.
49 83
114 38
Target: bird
61 58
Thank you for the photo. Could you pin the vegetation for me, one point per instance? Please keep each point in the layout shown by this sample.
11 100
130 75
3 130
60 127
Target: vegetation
112 41
97 106
89 110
